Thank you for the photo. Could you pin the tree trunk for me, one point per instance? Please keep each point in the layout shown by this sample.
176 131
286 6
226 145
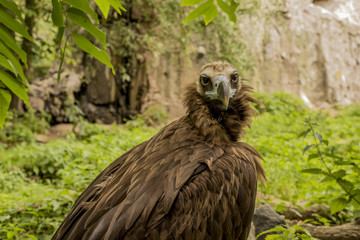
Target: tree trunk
28 45
348 231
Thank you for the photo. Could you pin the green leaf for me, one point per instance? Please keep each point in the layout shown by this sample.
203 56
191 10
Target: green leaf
5 99
228 9
82 20
57 14
355 198
190 2
62 57
344 162
339 174
232 18
11 43
88 47
36 170
116 4
51 170
210 14
32 237
10 234
274 229
326 142
223 6
12 24
356 214
59 36
7 64
233 7
312 156
346 184
15 62
355 201
274 237
104 7
84 6
307 147
319 137
198 11
12 6
304 133
312 170
15 86
338 204
327 179
334 156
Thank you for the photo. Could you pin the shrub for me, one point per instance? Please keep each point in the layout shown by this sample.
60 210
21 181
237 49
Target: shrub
22 128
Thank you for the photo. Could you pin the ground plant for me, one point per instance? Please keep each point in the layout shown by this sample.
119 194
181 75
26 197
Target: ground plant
283 233
40 182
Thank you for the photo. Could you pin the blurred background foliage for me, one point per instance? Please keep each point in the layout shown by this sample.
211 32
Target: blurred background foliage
39 182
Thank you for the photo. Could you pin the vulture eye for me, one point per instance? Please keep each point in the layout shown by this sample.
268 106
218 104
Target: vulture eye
204 79
234 77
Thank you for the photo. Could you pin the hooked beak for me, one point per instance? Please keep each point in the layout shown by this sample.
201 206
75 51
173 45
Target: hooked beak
222 90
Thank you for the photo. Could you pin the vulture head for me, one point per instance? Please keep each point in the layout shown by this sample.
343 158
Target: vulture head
218 83
219 102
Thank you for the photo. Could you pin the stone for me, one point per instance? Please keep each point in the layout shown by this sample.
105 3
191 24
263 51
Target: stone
266 218
102 87
49 95
100 114
37 103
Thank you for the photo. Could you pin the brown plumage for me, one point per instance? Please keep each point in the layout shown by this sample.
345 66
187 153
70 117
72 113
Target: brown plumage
192 180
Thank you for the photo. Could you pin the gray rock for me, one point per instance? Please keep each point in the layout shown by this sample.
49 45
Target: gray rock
311 50
37 103
100 114
102 87
266 218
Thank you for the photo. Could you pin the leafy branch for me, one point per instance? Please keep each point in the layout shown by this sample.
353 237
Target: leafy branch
209 9
284 233
333 170
76 12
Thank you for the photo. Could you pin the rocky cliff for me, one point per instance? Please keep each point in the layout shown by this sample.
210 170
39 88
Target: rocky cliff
310 49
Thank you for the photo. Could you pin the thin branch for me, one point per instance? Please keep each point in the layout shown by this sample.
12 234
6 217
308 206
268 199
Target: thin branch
323 161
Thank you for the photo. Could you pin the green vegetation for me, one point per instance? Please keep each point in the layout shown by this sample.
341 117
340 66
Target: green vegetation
282 233
40 182
22 128
278 135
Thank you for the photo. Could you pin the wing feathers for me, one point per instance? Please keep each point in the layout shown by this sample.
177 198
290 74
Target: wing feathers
142 186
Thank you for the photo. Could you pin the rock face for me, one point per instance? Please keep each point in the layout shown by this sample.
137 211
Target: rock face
310 49
72 97
52 97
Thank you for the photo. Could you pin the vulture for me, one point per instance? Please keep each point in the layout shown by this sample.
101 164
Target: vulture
194 179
